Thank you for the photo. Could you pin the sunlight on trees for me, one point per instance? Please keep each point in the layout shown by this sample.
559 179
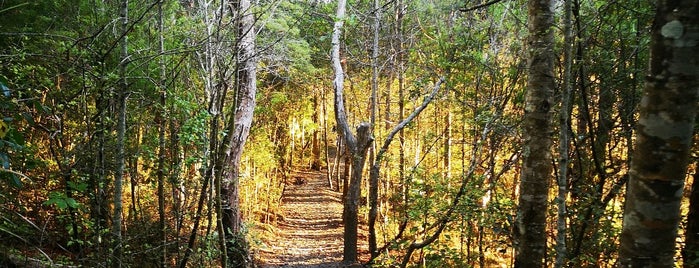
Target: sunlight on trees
122 133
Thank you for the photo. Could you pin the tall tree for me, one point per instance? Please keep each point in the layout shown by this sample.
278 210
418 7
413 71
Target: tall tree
357 145
536 167
238 130
120 140
664 136
160 120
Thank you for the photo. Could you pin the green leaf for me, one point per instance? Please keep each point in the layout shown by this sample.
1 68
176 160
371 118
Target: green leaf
59 199
80 187
71 202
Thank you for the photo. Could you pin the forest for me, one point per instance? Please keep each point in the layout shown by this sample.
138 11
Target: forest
349 133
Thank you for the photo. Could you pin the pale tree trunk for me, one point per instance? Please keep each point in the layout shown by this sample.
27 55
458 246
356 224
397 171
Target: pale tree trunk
120 142
536 167
663 138
239 129
564 140
357 145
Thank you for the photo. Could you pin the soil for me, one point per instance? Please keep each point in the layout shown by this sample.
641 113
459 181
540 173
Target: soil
310 231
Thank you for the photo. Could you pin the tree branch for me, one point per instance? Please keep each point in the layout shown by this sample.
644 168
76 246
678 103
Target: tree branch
467 9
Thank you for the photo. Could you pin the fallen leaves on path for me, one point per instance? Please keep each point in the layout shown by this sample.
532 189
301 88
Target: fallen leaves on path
310 233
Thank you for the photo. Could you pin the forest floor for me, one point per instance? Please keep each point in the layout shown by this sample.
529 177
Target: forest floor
309 235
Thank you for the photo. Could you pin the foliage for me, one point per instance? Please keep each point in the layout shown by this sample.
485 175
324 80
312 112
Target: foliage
59 72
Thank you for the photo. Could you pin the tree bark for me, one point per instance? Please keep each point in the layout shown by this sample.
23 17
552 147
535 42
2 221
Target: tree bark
536 168
664 135
239 129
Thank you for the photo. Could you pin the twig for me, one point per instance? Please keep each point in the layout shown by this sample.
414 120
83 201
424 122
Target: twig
2 169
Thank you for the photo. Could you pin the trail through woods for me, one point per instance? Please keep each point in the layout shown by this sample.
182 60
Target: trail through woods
310 232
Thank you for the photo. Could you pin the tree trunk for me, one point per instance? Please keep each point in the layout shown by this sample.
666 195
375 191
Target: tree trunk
239 129
401 59
315 142
664 135
374 178
328 173
350 210
564 140
357 145
536 168
120 142
99 206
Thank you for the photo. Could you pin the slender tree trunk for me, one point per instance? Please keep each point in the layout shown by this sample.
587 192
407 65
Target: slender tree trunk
401 58
374 178
536 167
239 129
98 210
315 142
176 184
664 136
328 173
121 140
564 141
447 144
161 139
132 168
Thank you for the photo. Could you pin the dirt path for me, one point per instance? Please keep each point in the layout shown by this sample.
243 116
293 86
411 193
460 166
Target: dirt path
310 234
